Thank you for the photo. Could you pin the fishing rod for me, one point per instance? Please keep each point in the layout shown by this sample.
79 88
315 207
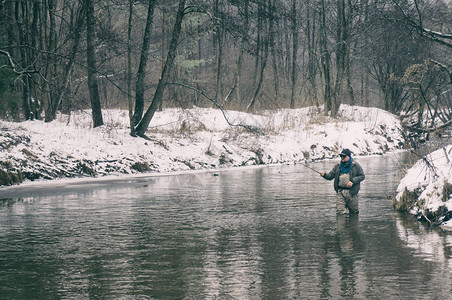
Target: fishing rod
305 165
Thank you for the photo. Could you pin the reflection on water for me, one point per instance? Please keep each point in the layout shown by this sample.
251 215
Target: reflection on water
258 233
432 245
350 245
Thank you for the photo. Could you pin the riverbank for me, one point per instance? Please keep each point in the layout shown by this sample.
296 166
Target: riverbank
426 189
191 139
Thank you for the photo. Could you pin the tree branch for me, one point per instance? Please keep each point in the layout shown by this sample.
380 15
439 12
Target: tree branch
433 129
444 67
418 25
13 66
219 106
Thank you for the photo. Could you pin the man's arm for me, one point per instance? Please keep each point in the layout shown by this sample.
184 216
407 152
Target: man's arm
359 176
330 175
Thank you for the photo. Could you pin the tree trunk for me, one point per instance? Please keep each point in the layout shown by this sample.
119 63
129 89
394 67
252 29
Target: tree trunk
312 58
348 27
343 83
33 52
325 57
219 52
158 96
261 75
365 90
163 45
55 102
129 68
258 50
218 88
236 85
272 8
141 74
294 52
91 60
20 18
51 47
238 73
339 87
288 56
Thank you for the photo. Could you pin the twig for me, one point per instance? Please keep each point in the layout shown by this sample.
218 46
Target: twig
219 106
13 66
444 67
423 214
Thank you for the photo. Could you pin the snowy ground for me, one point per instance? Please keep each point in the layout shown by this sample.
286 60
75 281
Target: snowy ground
426 189
192 139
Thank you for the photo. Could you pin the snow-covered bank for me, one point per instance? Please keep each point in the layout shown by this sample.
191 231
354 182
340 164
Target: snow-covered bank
426 189
190 139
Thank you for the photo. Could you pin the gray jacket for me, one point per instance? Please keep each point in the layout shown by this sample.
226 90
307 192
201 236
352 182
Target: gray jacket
356 176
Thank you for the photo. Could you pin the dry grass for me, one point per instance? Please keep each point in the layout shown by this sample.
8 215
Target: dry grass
447 191
406 202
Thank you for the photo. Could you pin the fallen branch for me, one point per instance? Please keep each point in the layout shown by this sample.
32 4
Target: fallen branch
423 214
433 129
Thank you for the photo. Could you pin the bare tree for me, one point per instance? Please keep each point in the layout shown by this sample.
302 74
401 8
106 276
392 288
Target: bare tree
342 87
273 11
312 46
428 83
91 61
53 102
312 65
325 56
261 57
158 95
243 40
129 67
141 74
294 76
218 45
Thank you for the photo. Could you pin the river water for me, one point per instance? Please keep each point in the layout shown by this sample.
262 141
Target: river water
257 233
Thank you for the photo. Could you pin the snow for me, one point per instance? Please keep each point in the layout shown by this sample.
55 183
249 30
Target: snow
427 177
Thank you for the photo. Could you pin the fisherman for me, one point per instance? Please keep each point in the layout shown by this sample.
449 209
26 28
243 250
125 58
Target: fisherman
347 176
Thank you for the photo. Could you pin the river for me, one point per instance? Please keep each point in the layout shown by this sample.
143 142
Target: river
253 233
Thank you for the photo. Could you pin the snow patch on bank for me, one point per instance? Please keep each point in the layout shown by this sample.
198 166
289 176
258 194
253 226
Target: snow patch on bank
429 184
190 139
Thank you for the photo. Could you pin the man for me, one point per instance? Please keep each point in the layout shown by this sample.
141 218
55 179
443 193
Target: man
347 176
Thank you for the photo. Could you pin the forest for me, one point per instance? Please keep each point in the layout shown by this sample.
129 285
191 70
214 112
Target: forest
58 56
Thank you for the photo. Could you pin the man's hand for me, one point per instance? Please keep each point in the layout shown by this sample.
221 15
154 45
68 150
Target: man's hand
322 174
349 184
